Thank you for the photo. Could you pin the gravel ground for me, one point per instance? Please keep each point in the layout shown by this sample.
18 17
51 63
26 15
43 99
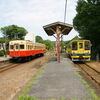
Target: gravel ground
60 80
95 65
13 80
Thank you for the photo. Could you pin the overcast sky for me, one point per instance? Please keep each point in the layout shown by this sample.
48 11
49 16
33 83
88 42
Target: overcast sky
34 14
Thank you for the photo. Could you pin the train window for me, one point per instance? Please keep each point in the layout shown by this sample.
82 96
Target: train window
74 45
11 47
87 45
31 47
21 46
80 45
28 47
16 46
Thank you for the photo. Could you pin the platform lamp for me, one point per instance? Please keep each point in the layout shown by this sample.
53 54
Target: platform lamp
57 29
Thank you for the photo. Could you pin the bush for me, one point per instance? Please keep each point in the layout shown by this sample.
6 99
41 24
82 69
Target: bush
2 53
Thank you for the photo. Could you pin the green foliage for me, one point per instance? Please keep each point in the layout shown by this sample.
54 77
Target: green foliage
1 52
27 98
2 40
76 38
87 21
91 91
39 39
23 95
13 32
34 98
49 44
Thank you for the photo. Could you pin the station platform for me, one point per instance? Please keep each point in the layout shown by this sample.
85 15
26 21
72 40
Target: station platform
60 80
3 58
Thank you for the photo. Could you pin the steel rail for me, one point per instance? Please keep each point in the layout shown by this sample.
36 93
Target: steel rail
83 67
8 66
92 68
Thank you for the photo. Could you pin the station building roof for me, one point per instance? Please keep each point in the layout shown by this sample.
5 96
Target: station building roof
50 29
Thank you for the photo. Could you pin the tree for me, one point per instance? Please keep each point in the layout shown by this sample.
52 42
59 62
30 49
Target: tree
76 38
2 40
39 39
13 32
87 21
49 44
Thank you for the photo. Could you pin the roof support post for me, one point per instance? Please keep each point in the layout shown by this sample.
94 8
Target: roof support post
59 29
58 33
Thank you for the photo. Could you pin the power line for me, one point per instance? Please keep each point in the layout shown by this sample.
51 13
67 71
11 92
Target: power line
65 11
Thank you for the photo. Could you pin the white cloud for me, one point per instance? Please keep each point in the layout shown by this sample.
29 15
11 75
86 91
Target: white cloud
33 14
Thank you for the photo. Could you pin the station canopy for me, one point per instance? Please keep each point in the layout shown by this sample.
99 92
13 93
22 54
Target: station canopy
65 28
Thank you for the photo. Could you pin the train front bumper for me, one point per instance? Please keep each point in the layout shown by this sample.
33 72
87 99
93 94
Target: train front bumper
80 57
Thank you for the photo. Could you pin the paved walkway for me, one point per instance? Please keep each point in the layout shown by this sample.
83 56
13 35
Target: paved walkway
59 80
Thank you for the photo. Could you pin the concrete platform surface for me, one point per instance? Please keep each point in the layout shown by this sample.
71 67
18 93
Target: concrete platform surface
59 80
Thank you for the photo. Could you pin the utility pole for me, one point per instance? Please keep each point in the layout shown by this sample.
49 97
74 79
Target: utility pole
65 11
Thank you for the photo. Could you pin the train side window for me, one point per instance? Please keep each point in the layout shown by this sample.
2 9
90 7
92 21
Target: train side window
80 45
87 45
30 47
27 47
33 47
16 46
74 45
11 47
21 46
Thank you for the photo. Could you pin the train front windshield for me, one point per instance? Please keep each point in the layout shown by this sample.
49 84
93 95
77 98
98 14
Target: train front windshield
87 45
81 45
74 45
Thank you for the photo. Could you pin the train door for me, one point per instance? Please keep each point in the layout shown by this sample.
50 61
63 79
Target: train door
81 47
16 49
87 45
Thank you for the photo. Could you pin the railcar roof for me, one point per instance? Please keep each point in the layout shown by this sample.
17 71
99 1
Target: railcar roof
79 40
25 41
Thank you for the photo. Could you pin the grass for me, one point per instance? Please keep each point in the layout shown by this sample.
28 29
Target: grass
23 95
34 98
24 92
90 90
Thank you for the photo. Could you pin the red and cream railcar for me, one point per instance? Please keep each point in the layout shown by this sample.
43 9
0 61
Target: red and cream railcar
23 48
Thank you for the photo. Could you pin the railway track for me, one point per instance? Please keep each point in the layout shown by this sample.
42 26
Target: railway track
92 72
7 66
